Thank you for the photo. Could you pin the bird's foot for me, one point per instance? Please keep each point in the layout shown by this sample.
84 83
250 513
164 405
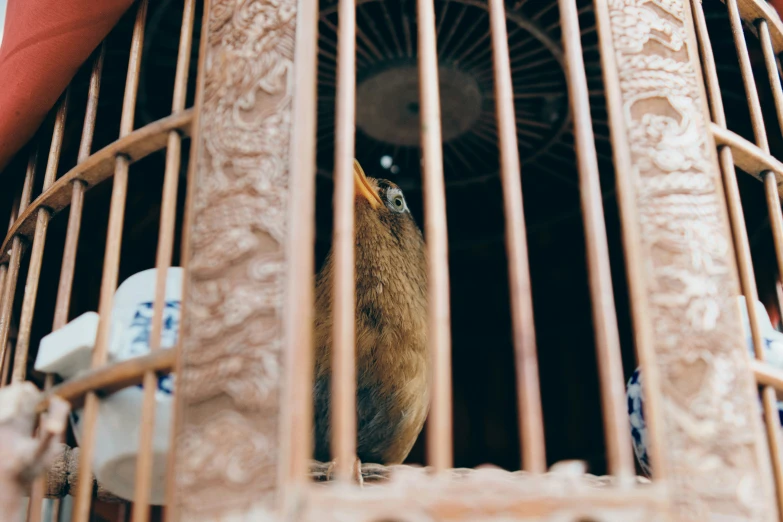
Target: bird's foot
327 471
357 472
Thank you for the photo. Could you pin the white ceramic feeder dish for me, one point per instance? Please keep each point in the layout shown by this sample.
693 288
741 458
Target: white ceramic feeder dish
68 351
119 415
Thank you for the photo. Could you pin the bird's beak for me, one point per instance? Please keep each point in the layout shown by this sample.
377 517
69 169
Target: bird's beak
363 187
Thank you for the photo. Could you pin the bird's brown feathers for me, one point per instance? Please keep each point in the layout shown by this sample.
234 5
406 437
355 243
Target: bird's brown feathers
391 314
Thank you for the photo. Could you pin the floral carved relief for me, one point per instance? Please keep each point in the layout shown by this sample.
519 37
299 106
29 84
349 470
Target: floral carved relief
713 449
230 376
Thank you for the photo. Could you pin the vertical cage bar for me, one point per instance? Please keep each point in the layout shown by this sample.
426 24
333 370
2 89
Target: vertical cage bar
776 222
62 304
748 282
779 296
775 217
68 267
439 429
748 79
708 63
632 239
63 300
171 512
66 278
771 63
11 220
607 337
83 497
343 403
3 273
297 423
168 218
39 241
531 422
734 204
91 111
14 262
6 371
770 181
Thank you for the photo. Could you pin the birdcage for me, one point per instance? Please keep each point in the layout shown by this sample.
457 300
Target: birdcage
598 187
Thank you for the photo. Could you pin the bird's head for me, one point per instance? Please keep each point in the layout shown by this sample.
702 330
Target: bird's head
381 205
386 233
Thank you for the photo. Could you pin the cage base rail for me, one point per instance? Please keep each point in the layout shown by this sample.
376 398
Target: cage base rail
63 477
489 494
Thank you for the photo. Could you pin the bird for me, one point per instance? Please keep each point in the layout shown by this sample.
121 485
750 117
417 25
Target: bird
392 394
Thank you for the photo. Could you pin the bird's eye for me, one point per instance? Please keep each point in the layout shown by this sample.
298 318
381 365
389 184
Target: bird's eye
395 201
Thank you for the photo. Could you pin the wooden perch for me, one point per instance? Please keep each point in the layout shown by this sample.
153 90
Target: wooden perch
63 475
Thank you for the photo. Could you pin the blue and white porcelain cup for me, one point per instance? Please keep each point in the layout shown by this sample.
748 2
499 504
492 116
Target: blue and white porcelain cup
119 415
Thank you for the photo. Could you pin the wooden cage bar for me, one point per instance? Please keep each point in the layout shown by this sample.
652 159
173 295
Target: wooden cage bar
5 349
343 380
771 65
63 293
747 156
165 249
36 254
67 270
607 337
643 335
91 110
4 272
439 430
766 376
110 378
770 178
96 168
83 497
742 244
11 219
297 422
14 264
5 375
531 421
754 105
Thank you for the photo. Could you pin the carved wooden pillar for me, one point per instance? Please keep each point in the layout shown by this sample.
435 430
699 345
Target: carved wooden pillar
709 444
229 374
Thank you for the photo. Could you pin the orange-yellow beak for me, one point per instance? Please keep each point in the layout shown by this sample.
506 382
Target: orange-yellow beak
363 187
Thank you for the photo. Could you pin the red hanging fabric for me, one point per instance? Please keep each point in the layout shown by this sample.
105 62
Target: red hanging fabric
44 44
778 5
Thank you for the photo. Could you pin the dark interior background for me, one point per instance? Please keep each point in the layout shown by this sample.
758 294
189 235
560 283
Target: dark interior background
485 418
